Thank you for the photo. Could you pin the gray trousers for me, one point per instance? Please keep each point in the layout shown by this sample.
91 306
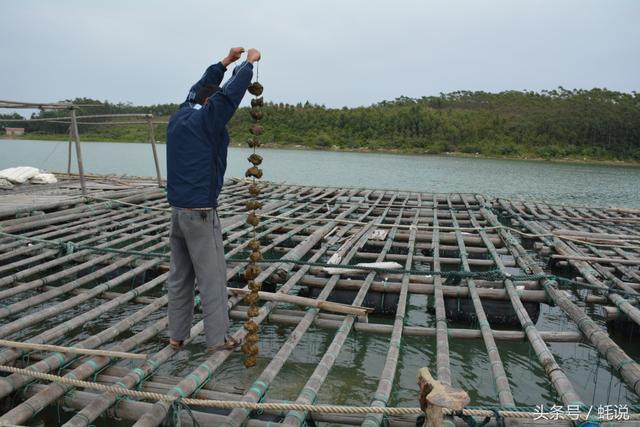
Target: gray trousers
197 253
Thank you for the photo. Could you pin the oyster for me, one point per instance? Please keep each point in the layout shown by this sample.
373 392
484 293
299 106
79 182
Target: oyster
254 286
254 245
250 326
253 142
256 113
251 272
252 298
254 190
250 348
255 159
257 102
255 89
250 361
251 338
252 219
254 172
255 256
253 205
256 129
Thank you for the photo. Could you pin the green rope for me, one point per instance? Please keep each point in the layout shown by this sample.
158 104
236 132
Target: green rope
173 417
455 276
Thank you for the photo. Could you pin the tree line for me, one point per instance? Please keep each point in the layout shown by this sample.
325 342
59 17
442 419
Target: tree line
594 124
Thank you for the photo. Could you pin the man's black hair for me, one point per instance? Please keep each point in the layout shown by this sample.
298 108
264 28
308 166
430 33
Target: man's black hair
204 93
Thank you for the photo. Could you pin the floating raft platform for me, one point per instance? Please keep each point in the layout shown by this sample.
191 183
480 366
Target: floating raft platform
486 266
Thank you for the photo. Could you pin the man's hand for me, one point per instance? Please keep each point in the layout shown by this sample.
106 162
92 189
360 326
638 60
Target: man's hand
233 56
253 56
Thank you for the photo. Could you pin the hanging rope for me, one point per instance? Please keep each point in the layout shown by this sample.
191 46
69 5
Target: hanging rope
250 346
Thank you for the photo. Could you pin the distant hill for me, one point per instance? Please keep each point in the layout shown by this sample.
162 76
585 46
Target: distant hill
595 124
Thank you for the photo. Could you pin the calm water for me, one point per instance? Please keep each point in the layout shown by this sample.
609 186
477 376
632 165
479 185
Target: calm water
592 185
354 378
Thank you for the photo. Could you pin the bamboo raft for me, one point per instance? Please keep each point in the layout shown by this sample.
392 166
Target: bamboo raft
68 260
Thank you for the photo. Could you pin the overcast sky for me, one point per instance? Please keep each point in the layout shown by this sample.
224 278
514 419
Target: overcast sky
335 53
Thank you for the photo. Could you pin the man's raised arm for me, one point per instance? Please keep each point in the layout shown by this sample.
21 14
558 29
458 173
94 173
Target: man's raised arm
225 102
214 74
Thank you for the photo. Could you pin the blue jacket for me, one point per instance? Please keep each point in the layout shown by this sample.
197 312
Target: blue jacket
197 139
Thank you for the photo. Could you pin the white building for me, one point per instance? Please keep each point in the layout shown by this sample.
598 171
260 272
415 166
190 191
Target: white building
14 131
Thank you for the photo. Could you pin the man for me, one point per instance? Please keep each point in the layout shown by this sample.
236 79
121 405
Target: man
197 141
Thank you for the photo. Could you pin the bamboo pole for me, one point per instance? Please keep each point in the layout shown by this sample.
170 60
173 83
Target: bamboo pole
497 368
22 224
619 360
33 318
579 219
306 302
597 259
92 411
317 198
627 271
561 232
111 374
388 374
443 368
15 381
256 392
603 271
79 212
49 263
73 350
394 288
373 245
7 280
312 386
490 263
76 136
87 222
38 402
64 328
130 379
560 381
486 290
40 298
202 373
76 256
284 317
448 238
590 275
64 234
69 149
152 140
274 266
633 211
127 409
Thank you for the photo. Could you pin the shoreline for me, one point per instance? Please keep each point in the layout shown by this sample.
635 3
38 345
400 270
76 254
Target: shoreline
269 146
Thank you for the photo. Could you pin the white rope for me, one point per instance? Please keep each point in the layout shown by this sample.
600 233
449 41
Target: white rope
326 409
